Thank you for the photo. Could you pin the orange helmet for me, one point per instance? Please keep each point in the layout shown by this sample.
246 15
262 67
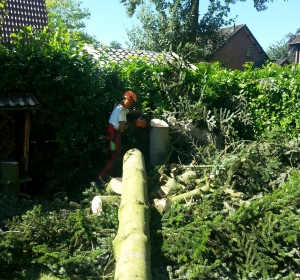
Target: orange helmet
130 95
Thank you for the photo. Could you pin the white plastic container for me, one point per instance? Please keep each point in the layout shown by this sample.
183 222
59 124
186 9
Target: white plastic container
159 141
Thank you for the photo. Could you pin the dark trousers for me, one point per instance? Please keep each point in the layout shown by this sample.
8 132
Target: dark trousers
113 138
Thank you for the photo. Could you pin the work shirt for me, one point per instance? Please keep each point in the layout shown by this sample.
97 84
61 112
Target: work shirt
118 115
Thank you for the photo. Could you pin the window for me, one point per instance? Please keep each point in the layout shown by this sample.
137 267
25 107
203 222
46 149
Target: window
249 52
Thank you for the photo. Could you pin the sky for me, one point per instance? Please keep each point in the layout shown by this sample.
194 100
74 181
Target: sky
108 21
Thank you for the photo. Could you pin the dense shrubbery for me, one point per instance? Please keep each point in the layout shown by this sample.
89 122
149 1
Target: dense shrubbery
214 237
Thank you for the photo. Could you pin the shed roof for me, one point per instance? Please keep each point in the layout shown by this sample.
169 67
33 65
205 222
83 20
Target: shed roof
17 101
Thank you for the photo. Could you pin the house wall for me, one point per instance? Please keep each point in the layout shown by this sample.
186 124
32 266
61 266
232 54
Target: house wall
233 53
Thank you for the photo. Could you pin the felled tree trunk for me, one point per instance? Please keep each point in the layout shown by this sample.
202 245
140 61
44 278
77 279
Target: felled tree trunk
132 244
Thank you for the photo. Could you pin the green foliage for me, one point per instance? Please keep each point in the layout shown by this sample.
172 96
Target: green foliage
247 228
273 94
175 26
70 15
278 50
259 5
73 92
203 240
67 241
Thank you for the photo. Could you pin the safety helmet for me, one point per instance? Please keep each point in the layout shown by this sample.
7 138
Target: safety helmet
130 95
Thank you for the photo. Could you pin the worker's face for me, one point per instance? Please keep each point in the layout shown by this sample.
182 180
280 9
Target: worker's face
128 103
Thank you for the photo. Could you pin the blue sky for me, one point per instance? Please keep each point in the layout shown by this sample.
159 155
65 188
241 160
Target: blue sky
109 21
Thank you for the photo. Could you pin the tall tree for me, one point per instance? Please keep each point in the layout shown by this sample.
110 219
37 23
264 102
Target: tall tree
131 5
70 14
175 25
193 7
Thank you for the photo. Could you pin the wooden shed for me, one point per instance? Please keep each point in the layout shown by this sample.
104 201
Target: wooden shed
15 113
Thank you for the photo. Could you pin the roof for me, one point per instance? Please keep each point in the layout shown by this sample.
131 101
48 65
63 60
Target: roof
23 13
231 30
296 41
120 55
281 61
235 29
18 101
106 54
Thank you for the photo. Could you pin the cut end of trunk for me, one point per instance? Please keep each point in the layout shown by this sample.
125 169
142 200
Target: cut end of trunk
114 186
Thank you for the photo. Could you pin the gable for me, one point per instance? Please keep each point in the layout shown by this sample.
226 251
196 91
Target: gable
240 47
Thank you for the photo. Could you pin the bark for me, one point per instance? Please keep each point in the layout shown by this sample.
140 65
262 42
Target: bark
194 20
132 244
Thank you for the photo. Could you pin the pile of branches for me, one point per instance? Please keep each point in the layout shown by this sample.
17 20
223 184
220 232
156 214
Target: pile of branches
232 213
57 237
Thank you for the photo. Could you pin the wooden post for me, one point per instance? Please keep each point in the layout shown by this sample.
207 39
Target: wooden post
26 140
132 244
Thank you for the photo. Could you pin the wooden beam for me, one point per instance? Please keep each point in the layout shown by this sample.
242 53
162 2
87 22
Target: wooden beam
26 140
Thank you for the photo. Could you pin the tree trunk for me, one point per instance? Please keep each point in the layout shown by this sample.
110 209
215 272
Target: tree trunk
132 244
194 20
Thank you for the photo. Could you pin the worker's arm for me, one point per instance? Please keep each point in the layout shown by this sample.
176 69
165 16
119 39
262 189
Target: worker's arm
123 125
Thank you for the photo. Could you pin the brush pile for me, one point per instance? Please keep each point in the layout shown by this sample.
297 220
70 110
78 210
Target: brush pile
234 216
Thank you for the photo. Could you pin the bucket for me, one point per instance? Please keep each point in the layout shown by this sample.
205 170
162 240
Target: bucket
159 141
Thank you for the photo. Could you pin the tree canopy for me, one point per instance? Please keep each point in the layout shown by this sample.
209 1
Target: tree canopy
70 14
175 25
282 49
259 5
131 5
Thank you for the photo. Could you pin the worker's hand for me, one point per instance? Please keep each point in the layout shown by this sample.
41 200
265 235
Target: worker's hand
135 112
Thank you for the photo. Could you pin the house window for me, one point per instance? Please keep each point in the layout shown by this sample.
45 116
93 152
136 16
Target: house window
249 52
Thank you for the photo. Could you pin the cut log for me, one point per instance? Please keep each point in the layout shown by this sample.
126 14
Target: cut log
98 201
114 186
163 205
132 243
170 187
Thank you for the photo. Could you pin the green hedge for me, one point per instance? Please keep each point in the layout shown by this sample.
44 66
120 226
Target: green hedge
77 96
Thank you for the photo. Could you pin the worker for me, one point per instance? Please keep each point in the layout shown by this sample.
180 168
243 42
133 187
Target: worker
116 125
